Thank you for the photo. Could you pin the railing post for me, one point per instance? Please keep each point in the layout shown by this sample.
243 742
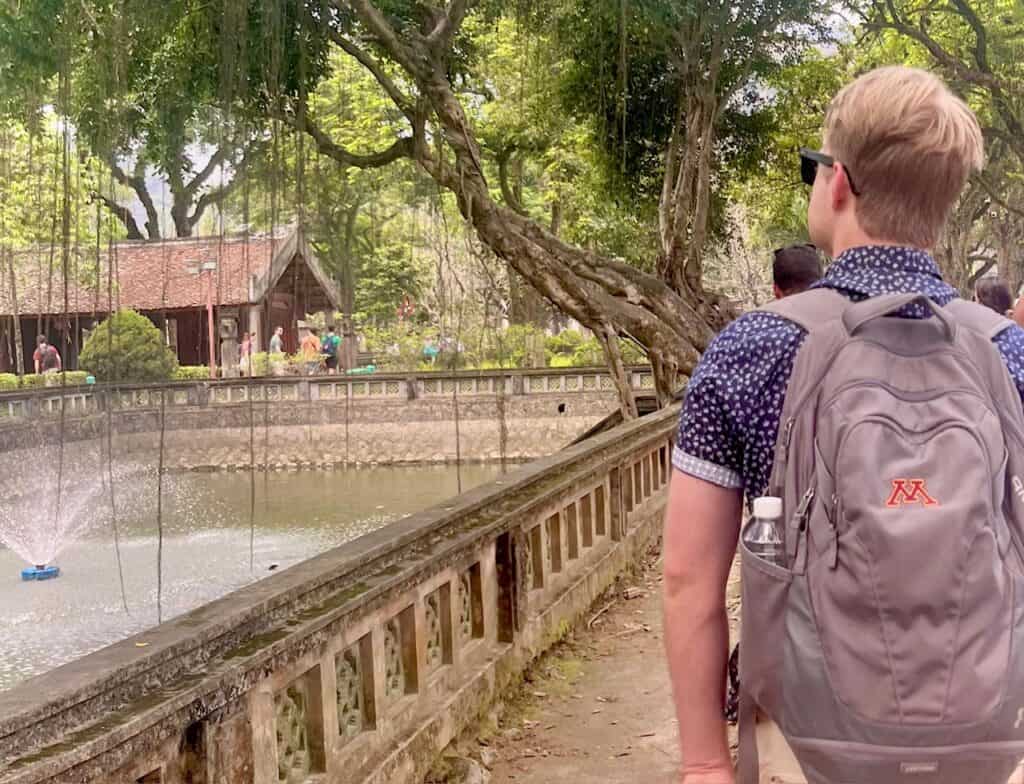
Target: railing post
615 505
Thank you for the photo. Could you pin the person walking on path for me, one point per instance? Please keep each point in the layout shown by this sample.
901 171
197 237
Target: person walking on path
994 294
795 268
898 149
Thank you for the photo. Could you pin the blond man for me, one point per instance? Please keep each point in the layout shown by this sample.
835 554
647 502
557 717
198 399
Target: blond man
898 148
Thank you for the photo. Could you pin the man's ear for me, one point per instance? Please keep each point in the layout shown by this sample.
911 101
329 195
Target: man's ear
839 187
777 291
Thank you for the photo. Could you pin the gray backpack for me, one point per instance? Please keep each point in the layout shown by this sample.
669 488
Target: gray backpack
891 651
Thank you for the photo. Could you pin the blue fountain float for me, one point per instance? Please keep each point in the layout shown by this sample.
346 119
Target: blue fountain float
40 572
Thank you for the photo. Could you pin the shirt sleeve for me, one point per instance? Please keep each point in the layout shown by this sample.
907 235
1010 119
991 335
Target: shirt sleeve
730 418
707 447
1010 343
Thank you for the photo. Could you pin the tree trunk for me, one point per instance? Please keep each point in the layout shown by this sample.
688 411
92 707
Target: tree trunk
348 283
617 368
19 353
674 323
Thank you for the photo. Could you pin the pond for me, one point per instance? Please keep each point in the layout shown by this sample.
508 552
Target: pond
206 550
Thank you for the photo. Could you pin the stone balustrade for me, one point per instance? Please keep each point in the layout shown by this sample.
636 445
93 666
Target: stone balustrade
411 386
361 664
324 421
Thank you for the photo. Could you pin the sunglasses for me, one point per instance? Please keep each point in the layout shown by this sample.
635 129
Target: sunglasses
809 162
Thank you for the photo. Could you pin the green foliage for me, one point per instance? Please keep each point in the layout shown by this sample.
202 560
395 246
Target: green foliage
127 347
191 373
71 378
10 381
390 273
590 354
400 349
564 344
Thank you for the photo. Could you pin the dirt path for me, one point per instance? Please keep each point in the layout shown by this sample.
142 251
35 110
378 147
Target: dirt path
598 709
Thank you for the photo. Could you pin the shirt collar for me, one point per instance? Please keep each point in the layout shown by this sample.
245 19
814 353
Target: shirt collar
873 270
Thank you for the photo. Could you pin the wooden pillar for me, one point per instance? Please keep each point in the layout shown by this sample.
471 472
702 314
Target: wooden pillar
255 328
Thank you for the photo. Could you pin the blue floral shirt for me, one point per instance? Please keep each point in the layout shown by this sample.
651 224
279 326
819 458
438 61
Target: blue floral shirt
730 418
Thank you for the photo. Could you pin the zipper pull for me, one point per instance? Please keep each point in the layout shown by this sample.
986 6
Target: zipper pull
799 523
787 434
833 545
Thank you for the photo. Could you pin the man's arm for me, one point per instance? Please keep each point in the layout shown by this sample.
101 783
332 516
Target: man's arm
701 529
60 362
35 358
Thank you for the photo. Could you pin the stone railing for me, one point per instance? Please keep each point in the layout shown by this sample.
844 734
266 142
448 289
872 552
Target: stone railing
410 386
359 665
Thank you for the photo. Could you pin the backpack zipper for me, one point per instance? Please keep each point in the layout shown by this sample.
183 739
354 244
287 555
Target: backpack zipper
833 522
798 525
787 434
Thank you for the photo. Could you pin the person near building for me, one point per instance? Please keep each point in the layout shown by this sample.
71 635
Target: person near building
277 341
46 357
311 354
329 348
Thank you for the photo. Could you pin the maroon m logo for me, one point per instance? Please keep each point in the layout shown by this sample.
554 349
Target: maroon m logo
909 491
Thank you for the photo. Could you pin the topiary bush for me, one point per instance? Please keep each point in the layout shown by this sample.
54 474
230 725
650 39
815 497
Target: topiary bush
32 381
191 373
10 382
127 347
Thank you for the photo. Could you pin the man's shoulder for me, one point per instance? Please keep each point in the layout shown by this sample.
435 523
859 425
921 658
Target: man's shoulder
752 333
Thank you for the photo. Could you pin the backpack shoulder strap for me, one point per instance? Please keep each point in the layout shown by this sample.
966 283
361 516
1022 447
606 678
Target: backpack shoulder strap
809 309
978 318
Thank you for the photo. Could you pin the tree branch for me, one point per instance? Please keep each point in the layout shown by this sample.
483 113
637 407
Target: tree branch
503 158
401 148
375 22
219 156
980 35
996 198
980 272
377 71
451 20
137 182
890 19
122 213
218 194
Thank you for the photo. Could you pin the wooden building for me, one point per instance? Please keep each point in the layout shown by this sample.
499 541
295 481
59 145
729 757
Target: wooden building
254 283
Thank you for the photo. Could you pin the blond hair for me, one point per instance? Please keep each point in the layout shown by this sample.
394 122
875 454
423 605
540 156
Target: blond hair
909 146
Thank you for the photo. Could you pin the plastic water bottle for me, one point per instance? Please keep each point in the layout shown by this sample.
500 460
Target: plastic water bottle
762 534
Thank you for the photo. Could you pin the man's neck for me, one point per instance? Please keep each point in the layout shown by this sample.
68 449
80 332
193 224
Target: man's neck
858 238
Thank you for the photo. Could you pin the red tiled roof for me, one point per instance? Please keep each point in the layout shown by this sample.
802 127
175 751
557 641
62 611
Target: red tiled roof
148 276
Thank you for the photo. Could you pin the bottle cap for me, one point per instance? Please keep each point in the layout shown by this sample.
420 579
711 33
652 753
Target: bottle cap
768 507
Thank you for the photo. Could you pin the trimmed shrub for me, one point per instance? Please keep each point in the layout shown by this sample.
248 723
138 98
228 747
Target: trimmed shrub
10 381
191 373
127 347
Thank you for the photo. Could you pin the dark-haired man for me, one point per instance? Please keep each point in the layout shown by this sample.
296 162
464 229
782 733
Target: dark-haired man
796 268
